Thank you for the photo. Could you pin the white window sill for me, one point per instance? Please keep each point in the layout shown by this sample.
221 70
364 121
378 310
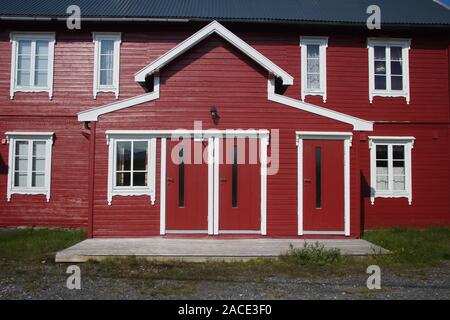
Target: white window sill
106 90
34 191
391 195
31 90
141 191
315 93
389 94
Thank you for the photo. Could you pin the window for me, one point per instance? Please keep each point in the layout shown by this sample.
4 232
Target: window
132 164
389 68
32 62
313 68
30 156
106 63
390 167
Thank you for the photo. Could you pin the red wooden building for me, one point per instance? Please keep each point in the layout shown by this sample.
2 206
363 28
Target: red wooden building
262 118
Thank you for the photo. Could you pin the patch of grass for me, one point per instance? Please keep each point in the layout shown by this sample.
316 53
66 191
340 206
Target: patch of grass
412 247
36 243
177 289
311 254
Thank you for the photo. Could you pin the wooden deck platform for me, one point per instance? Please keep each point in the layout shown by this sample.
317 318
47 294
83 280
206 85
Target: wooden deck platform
159 248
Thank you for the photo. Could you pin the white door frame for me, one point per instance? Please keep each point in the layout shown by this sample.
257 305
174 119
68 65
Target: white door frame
214 137
315 135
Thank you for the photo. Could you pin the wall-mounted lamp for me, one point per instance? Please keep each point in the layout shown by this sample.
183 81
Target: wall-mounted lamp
214 115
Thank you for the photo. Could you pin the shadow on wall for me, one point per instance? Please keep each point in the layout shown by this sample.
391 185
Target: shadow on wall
366 192
3 166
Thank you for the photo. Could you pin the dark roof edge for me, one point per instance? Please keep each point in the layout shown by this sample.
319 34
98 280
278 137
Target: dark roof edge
269 21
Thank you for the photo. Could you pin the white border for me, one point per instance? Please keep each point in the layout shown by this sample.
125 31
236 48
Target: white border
347 138
405 44
11 138
33 36
408 142
322 42
97 37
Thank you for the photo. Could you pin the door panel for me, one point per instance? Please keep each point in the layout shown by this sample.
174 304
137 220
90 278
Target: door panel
239 185
186 187
323 185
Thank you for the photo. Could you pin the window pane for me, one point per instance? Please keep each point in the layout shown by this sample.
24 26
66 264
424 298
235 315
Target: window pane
38 164
396 68
313 51
21 164
23 78
42 47
399 182
140 155
382 183
39 148
399 167
123 179
24 47
123 158
106 77
313 81
380 53
40 79
106 62
380 67
107 47
313 66
20 179
382 152
398 152
396 53
380 82
38 179
139 179
22 148
397 82
41 63
23 63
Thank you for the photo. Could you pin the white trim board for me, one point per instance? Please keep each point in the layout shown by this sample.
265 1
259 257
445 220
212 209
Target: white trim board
347 138
214 27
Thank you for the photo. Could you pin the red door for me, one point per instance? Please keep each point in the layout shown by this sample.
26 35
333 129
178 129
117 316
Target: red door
239 185
187 187
323 185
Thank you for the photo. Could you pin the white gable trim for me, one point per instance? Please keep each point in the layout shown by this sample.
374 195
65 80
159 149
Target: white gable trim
214 27
357 123
93 114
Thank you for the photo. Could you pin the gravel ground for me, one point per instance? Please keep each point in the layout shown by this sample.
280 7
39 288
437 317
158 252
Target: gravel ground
49 282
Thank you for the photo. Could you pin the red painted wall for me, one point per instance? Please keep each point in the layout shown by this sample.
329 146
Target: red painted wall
216 73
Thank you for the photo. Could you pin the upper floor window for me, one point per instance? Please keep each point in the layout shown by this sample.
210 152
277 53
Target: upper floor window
390 167
389 68
106 63
29 168
32 62
314 68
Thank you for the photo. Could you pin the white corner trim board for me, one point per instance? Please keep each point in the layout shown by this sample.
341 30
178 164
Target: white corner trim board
358 124
93 114
30 138
214 27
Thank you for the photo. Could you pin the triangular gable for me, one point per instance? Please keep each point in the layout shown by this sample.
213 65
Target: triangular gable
214 27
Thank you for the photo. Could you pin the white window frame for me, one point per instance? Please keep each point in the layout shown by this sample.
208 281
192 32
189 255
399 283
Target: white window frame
33 37
322 42
408 143
405 44
150 189
30 137
98 37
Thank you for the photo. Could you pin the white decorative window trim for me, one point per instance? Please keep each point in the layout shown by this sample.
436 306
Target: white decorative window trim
150 189
32 36
408 143
97 38
322 42
405 44
11 138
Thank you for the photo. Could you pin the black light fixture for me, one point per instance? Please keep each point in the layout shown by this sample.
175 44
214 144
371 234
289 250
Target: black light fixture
214 115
